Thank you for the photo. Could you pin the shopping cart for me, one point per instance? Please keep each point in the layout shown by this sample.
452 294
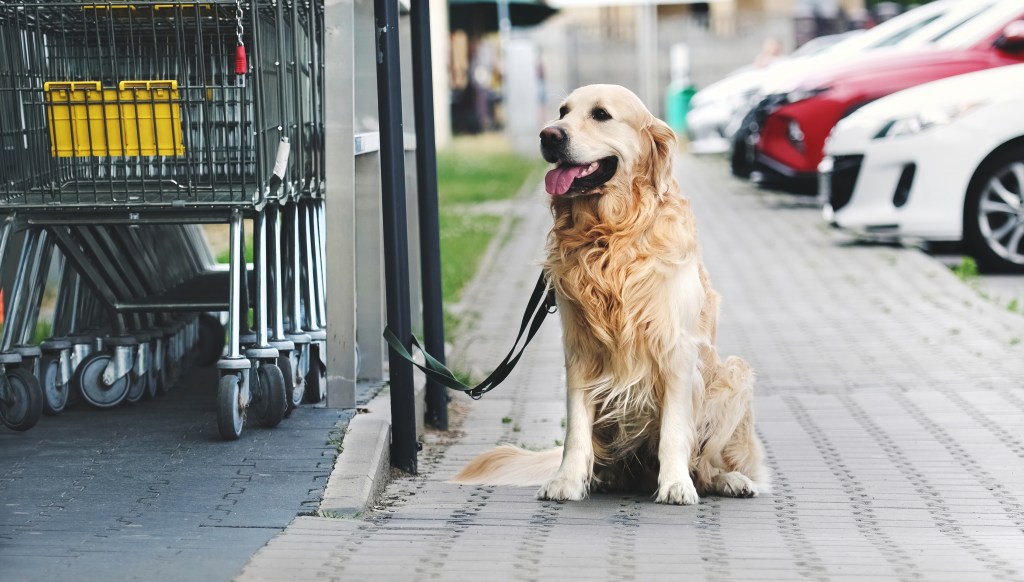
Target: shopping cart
123 125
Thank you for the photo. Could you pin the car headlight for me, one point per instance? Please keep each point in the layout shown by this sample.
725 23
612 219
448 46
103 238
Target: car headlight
915 123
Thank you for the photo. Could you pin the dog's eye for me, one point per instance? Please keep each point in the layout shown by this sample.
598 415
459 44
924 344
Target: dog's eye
600 114
563 112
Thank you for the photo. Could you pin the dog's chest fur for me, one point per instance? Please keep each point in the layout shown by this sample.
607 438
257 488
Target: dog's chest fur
615 275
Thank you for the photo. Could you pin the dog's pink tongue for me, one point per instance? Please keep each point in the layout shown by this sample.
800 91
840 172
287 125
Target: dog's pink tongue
558 181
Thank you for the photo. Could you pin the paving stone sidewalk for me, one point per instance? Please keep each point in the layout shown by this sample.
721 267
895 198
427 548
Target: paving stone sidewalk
890 399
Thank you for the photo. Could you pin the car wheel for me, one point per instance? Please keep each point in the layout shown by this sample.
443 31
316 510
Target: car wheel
741 157
739 161
994 213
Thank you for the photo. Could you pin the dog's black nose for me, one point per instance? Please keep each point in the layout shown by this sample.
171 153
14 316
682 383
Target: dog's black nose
552 137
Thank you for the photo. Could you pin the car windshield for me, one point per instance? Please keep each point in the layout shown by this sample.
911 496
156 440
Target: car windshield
902 34
895 29
982 26
950 22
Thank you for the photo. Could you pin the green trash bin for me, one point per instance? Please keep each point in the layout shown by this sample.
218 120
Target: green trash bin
677 105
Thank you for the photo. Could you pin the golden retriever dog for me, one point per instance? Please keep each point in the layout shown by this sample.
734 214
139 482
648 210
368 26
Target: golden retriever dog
651 406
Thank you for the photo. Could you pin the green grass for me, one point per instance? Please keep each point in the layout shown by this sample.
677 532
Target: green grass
225 256
473 171
480 169
464 239
43 331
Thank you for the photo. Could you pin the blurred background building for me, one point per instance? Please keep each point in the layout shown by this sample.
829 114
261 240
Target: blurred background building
548 48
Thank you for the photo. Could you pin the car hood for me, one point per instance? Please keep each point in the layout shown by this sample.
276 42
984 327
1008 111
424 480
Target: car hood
793 74
988 86
783 73
882 74
737 84
952 96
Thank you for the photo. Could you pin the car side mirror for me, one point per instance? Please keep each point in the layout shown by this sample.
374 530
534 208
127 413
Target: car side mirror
1012 39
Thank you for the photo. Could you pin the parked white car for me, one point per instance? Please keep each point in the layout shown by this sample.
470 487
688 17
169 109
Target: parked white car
717 110
942 161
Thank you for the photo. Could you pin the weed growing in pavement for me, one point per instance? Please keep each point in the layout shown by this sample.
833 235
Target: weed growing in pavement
516 428
334 441
558 442
1014 341
1014 306
967 270
506 420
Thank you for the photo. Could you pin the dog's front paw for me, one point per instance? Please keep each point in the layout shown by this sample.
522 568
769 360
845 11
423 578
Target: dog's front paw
734 484
678 493
562 488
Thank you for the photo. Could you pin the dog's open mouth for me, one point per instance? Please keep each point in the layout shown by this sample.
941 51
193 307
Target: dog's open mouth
571 179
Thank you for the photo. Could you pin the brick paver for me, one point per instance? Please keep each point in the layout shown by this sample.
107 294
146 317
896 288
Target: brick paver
149 491
889 399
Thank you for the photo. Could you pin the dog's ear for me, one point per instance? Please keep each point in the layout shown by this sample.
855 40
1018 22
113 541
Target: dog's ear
660 143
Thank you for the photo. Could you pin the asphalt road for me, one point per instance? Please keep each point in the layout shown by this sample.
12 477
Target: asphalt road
150 492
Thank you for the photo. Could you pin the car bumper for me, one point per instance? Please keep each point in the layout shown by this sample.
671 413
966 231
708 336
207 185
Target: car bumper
771 173
707 129
911 187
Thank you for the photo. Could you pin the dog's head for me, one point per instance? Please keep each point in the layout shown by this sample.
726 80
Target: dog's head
605 133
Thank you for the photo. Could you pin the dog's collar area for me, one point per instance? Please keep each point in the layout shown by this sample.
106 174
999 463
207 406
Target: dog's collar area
568 179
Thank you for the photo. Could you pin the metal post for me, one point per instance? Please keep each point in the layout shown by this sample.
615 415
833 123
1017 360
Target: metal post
260 266
396 248
647 53
426 188
237 273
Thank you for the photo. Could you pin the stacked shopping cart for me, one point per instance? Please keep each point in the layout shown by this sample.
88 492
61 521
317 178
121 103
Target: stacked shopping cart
124 127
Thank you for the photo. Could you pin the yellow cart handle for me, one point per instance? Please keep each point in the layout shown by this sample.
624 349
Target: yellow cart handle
155 84
70 85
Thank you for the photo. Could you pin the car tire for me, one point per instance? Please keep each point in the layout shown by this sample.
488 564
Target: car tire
994 213
739 161
740 155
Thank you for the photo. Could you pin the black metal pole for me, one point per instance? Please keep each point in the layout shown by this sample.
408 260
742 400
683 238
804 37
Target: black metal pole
396 235
426 189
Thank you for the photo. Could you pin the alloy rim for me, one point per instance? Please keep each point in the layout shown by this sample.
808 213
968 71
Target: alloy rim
1001 212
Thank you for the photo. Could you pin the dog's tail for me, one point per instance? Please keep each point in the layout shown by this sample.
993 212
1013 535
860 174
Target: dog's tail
509 465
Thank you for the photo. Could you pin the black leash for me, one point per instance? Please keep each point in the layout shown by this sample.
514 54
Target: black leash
542 302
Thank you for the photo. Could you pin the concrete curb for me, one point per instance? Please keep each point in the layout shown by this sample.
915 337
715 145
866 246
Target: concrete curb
362 469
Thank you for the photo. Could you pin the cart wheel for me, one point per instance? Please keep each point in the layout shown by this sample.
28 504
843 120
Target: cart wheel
285 363
152 382
316 378
55 396
211 340
89 377
269 401
230 408
298 380
138 387
22 406
164 379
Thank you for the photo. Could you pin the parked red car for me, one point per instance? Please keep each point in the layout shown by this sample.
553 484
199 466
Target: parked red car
789 129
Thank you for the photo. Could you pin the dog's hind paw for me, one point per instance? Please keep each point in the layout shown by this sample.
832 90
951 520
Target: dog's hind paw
734 484
678 493
563 489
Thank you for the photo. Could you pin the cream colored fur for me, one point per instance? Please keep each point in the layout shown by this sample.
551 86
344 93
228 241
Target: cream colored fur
650 404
